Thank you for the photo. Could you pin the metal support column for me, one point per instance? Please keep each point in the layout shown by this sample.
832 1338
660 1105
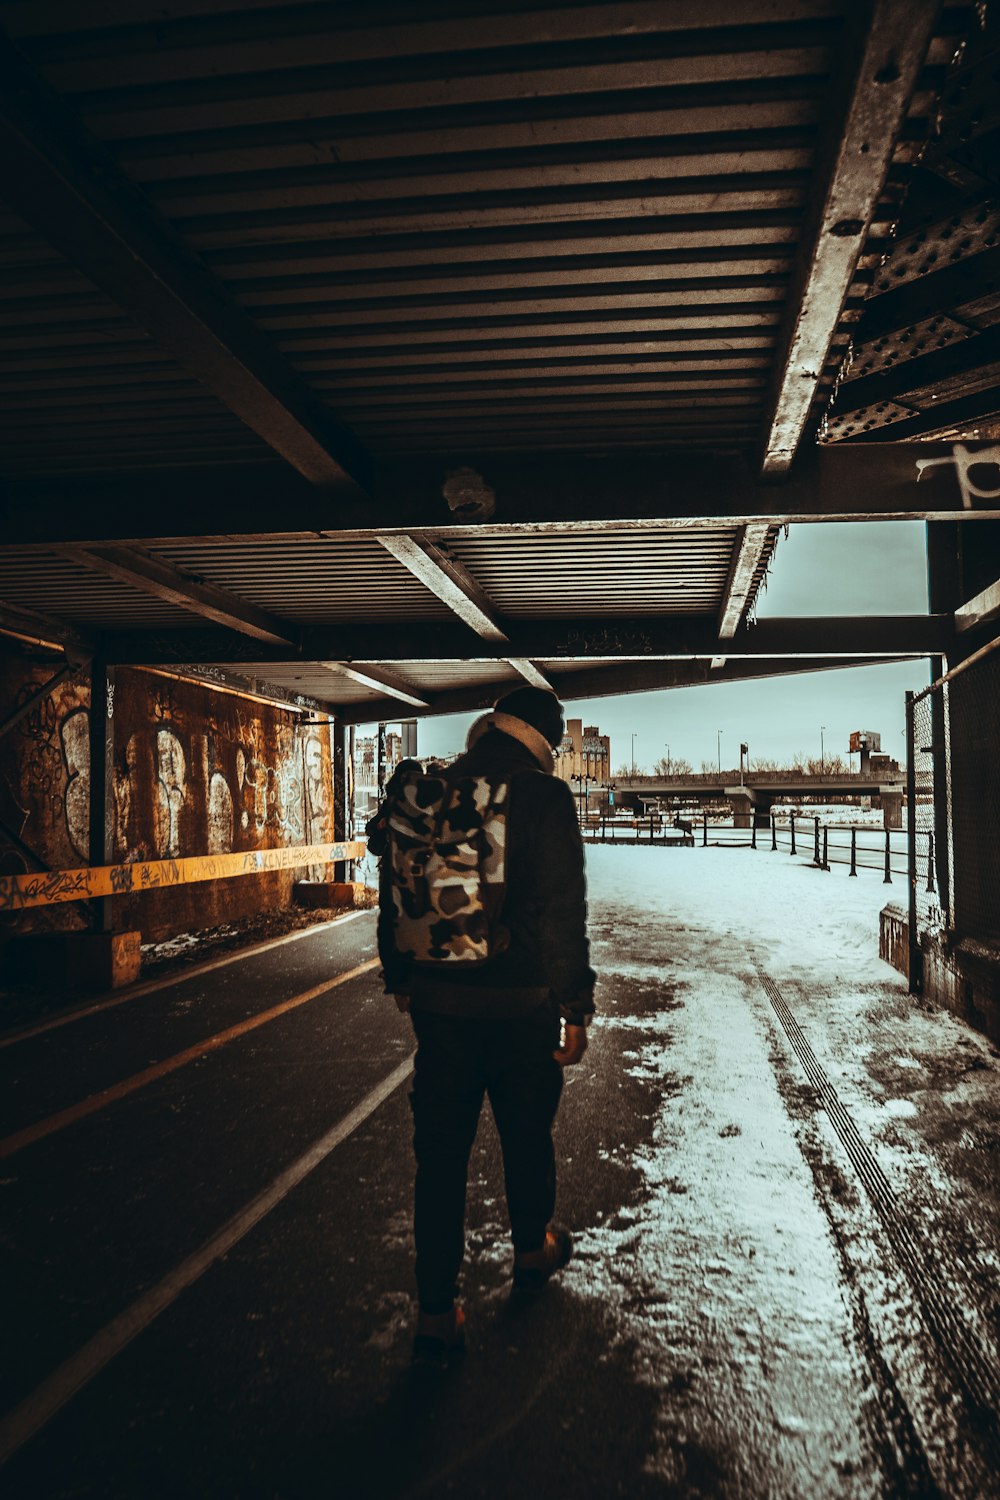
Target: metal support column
915 963
946 591
942 802
342 870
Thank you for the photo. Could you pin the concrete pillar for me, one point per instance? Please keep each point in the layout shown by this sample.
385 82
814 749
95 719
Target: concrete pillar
743 799
78 960
892 809
762 810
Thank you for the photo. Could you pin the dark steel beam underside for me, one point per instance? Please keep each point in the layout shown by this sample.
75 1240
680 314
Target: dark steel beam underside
877 80
535 491
38 629
546 640
606 682
924 371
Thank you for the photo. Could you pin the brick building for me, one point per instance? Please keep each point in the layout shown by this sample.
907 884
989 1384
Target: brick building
584 752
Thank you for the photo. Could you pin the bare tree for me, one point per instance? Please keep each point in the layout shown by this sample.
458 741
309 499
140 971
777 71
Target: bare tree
670 767
830 765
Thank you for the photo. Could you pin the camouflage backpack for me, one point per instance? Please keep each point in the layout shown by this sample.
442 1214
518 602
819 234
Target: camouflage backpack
446 841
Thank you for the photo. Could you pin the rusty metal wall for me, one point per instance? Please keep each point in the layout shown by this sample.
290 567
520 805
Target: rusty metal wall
195 772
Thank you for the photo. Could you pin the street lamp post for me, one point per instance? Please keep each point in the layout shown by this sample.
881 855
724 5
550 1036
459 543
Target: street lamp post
635 736
667 747
822 750
581 782
718 748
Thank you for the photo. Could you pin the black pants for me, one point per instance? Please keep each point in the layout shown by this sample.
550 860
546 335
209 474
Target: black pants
459 1059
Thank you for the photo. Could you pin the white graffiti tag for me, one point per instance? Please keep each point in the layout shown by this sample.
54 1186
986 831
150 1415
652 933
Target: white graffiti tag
171 790
964 461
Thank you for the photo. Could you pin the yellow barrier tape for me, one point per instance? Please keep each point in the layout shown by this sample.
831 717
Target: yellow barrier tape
20 891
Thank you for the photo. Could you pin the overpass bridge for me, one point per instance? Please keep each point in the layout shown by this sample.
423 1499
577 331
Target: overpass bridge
754 794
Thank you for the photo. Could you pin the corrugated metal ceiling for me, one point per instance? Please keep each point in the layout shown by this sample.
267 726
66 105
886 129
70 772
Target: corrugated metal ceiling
473 226
556 225
313 580
39 580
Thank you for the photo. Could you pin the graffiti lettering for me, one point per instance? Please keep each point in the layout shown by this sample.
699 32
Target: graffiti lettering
19 891
37 890
161 872
606 642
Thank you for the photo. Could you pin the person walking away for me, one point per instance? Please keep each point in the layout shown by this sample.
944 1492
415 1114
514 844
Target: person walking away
482 938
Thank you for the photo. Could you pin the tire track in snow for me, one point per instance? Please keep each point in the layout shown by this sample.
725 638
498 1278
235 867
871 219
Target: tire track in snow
976 1373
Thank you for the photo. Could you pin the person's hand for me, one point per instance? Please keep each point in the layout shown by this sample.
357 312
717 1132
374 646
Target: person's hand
574 1045
402 1002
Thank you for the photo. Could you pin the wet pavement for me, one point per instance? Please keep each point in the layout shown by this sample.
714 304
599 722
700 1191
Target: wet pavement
781 1172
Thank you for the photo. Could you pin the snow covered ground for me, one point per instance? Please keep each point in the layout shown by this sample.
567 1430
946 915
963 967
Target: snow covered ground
814 1322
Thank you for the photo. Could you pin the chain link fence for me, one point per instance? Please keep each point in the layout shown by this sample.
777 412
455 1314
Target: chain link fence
953 805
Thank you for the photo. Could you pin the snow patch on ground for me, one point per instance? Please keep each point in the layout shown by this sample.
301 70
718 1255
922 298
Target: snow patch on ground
744 1317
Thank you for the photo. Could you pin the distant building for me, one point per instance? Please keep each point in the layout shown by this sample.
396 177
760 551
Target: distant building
366 760
584 753
867 743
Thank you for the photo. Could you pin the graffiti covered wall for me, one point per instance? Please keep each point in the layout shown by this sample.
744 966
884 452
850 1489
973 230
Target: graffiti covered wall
195 772
45 778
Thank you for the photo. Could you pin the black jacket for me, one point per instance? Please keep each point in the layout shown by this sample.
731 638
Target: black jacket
544 908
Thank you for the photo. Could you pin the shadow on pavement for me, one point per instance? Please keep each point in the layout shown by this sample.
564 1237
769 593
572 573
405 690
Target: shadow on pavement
546 1402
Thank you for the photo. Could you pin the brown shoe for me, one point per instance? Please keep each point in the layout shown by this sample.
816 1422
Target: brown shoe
440 1338
532 1269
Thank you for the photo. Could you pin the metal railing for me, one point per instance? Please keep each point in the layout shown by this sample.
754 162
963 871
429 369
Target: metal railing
650 828
815 841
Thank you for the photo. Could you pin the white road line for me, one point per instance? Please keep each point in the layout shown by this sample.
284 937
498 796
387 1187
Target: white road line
35 1410
177 976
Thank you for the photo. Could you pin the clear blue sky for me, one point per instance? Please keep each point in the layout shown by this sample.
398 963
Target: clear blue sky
869 568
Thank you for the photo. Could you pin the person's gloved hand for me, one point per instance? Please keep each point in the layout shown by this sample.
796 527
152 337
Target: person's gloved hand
574 1045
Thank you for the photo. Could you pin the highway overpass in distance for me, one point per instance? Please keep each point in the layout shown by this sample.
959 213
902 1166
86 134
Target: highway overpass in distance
754 794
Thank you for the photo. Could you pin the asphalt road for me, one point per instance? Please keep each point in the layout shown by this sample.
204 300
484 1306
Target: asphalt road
709 1338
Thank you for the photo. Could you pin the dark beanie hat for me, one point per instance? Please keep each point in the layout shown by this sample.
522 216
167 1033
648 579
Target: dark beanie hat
536 707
